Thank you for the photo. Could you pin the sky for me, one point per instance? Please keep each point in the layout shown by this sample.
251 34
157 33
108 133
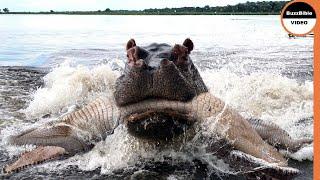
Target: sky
68 5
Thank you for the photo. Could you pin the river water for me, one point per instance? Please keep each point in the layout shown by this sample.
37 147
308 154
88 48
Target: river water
50 63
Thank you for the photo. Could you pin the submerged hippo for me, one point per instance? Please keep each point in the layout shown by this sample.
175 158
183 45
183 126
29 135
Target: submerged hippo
158 96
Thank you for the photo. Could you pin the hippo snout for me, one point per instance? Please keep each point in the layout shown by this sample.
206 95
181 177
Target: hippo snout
158 71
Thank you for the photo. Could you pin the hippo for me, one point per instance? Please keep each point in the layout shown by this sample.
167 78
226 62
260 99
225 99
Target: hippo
159 95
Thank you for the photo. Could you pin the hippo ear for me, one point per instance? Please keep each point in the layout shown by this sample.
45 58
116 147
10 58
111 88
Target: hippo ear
131 43
189 44
176 50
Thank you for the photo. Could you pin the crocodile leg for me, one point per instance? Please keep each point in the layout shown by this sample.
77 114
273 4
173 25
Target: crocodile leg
57 135
276 136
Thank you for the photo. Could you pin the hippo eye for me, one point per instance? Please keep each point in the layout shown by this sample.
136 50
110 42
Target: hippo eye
127 56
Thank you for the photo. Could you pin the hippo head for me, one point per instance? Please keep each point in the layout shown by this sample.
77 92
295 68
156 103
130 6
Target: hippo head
158 72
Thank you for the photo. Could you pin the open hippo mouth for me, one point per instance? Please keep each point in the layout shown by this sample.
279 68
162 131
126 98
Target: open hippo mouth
158 124
163 121
159 74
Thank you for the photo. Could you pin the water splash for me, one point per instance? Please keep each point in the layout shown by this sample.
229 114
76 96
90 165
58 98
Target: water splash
67 85
269 96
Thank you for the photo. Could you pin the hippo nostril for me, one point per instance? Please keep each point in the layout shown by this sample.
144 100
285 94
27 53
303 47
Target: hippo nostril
165 62
140 63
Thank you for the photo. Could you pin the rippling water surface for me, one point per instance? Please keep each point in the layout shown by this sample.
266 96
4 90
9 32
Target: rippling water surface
49 63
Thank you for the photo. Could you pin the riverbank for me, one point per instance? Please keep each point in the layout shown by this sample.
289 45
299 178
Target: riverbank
141 13
248 8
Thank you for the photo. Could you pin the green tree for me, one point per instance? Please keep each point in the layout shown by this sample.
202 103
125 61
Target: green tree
107 10
206 8
5 10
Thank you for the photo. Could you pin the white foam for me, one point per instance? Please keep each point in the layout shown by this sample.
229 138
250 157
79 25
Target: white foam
67 85
13 150
268 96
121 150
305 153
264 95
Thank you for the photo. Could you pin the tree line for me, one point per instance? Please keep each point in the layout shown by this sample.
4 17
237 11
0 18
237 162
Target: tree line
5 10
262 7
